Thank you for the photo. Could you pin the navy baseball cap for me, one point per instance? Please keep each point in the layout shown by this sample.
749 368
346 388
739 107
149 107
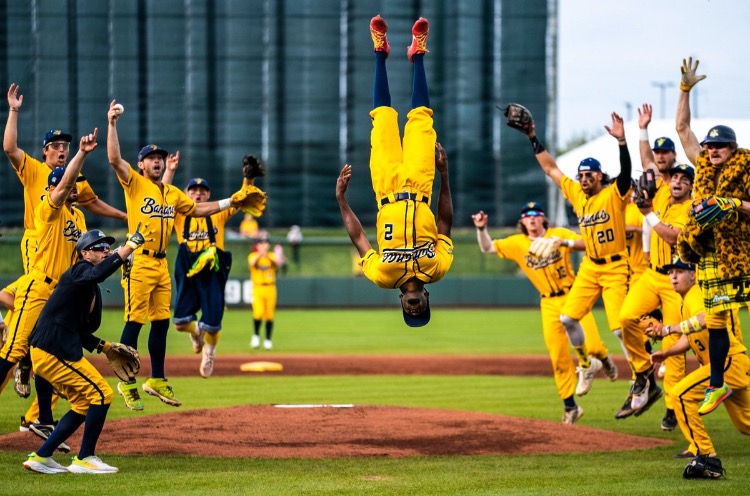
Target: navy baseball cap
149 149
677 263
92 238
198 182
589 164
532 209
55 135
686 169
417 320
720 134
663 143
56 175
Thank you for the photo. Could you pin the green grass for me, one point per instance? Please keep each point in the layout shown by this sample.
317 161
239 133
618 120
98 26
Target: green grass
487 331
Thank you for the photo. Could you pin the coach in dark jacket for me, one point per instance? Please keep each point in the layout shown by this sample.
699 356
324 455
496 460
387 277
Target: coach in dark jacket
67 325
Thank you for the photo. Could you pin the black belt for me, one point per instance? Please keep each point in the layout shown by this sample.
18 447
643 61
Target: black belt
405 195
602 261
660 270
155 254
561 292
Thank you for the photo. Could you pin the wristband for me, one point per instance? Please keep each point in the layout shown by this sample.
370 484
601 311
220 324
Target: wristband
102 346
13 109
568 242
644 135
536 145
652 219
685 87
695 323
685 327
225 203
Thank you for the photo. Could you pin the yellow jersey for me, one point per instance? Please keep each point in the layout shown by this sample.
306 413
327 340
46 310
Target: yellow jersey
551 275
601 217
57 231
262 268
634 239
198 238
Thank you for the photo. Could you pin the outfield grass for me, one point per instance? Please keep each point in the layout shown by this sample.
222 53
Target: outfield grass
646 472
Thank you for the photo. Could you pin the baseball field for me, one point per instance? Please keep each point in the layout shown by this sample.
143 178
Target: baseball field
466 405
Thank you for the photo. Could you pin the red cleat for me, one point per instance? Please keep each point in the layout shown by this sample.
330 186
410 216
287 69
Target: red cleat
378 30
419 33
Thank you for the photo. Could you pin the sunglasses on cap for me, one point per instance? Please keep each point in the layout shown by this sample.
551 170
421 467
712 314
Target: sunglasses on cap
98 247
532 213
715 146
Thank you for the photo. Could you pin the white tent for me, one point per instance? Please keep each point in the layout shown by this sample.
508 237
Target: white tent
605 149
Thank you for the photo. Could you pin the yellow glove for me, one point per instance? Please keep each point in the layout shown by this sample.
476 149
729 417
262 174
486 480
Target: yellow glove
250 199
689 78
208 257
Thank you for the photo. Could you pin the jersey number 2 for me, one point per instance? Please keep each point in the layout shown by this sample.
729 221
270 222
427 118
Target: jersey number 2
388 232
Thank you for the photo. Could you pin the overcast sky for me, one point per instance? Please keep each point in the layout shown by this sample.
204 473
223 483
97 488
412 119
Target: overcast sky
611 52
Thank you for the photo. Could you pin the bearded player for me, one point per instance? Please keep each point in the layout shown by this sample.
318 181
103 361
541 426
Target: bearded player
414 248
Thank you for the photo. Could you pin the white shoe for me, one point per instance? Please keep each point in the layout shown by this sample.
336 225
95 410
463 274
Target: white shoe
207 362
197 341
640 391
267 344
43 465
255 342
586 376
571 416
91 465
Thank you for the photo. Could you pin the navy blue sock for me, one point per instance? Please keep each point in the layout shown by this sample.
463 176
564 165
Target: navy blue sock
157 346
92 429
420 96
130 334
5 368
718 348
68 424
569 402
269 329
381 93
44 394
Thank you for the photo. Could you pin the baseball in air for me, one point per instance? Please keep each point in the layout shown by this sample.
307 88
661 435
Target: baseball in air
119 108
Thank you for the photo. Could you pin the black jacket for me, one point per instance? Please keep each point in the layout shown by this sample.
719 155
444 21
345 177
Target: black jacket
74 310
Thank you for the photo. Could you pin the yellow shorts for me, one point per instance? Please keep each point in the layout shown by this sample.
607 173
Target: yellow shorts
610 281
148 290
79 381
31 296
264 302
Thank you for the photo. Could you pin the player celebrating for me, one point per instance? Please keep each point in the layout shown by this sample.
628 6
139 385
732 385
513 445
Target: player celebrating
601 217
552 275
717 241
691 333
414 248
148 286
66 325
263 266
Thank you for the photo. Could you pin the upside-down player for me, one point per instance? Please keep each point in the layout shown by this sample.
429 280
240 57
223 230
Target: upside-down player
414 248
552 275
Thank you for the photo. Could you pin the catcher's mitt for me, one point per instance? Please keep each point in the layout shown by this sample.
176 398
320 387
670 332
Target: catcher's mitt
650 326
123 359
518 117
544 247
713 210
251 167
250 199
703 467
646 184
208 257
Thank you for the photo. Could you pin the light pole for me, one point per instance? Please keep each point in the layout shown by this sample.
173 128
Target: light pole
663 85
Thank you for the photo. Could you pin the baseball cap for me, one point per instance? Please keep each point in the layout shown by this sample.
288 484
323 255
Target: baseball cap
198 182
532 209
677 263
589 164
93 238
686 169
56 175
149 149
417 320
720 134
56 135
664 143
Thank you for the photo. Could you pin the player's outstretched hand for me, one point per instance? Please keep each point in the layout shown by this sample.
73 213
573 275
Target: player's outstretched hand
689 77
618 128
519 117
88 141
14 99
173 161
113 114
441 159
342 183
644 116
138 239
480 219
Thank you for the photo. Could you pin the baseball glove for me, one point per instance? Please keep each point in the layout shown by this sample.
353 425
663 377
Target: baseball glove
544 247
250 199
207 257
650 326
704 467
713 210
123 359
646 184
518 117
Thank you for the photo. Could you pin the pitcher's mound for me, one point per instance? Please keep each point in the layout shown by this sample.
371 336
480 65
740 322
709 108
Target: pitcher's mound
324 431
